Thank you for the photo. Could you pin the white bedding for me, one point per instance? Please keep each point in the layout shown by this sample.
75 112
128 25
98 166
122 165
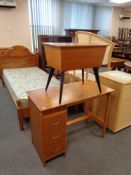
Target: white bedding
21 80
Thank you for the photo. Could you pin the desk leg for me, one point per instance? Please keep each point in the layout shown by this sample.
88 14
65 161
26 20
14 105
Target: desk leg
3 83
49 77
95 69
61 86
106 114
82 76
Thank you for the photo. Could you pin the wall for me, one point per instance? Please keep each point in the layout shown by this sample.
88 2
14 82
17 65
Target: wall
126 22
15 29
116 22
14 25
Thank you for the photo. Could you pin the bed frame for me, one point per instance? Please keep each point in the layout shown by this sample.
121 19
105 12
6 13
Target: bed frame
21 57
17 57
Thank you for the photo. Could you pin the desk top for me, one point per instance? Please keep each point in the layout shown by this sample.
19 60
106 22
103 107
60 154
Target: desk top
73 93
118 60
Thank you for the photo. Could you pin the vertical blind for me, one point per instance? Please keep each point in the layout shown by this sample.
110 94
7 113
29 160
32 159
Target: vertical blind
53 16
102 19
41 18
77 15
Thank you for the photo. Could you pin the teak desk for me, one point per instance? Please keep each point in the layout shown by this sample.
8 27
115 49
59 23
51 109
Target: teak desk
49 119
71 56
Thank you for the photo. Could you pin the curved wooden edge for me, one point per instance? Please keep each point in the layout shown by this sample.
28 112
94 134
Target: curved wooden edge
96 35
112 44
18 50
18 57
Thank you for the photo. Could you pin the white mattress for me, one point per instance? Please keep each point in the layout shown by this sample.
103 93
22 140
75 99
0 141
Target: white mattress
21 80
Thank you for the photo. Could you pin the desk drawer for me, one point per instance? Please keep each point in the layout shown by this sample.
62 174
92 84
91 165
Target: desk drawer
55 122
54 133
55 151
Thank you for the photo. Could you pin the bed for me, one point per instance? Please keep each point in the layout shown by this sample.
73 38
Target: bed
20 73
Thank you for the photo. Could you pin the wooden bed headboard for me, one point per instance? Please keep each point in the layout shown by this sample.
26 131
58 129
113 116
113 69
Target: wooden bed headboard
17 57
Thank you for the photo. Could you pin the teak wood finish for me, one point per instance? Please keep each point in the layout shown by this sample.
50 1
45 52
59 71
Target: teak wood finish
118 63
49 119
3 52
71 56
49 38
18 57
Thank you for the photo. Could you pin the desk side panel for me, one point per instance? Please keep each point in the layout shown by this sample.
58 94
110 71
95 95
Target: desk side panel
36 129
120 111
53 56
82 57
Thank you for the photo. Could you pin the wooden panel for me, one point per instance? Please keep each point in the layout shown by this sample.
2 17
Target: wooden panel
48 132
55 151
3 51
36 130
72 93
77 120
82 57
54 57
19 62
49 38
117 63
71 56
120 111
17 57
54 133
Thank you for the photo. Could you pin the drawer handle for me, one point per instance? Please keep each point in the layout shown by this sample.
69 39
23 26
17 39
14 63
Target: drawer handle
55 137
57 149
56 123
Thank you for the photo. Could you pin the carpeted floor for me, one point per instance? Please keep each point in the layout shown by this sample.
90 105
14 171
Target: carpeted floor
87 154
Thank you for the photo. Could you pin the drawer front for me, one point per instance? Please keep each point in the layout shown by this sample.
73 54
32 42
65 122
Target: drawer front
55 151
55 122
56 139
54 133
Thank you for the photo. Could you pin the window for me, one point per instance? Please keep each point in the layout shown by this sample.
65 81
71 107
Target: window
53 16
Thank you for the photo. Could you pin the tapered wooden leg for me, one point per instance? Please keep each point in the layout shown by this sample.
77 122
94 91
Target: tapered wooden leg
49 77
61 86
20 119
95 69
82 76
106 114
